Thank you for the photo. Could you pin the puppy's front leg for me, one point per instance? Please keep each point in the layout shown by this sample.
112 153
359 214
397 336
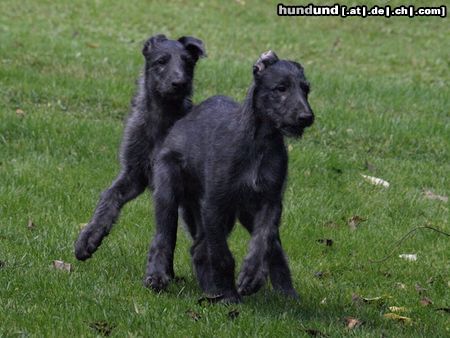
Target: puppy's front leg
256 266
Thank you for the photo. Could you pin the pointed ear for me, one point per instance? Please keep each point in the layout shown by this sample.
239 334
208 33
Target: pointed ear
194 46
265 60
152 42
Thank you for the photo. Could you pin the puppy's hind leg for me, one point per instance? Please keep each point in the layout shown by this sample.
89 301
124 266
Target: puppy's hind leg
127 186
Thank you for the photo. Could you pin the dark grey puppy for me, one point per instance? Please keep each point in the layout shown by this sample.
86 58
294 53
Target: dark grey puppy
163 96
224 161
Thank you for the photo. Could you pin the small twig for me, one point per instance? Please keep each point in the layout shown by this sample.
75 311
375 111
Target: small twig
396 244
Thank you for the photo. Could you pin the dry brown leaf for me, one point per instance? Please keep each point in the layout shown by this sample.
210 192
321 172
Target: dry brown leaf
352 323
195 316
20 113
394 316
398 309
355 221
60 265
409 257
358 299
432 196
425 301
30 224
92 45
420 288
376 181
400 286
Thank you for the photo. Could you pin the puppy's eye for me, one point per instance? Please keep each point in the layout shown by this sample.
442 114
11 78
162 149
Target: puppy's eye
161 61
281 88
305 87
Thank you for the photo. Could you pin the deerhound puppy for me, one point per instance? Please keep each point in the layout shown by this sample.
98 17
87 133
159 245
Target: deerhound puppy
224 161
163 96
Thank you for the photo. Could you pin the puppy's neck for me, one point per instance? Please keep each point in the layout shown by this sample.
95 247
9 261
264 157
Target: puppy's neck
259 127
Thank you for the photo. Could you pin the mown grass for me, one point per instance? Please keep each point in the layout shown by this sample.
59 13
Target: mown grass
381 97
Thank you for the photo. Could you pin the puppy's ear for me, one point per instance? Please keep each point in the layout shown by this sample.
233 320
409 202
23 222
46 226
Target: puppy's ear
265 60
194 46
151 43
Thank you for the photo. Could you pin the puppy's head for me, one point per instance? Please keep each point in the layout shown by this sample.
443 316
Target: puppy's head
281 94
170 64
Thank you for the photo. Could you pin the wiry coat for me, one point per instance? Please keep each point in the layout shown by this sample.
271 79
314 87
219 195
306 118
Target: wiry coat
163 97
224 161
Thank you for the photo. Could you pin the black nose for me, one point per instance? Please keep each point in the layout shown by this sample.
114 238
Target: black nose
178 83
306 119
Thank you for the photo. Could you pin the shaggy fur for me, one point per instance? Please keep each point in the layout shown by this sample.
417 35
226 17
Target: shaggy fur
163 97
225 161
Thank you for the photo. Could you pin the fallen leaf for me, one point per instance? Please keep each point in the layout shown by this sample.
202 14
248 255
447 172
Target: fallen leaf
323 301
432 196
315 333
409 257
397 317
92 45
195 316
352 323
30 224
376 181
102 327
320 274
290 147
356 298
326 241
419 288
372 300
400 286
20 113
233 314
425 301
60 265
355 221
81 226
398 309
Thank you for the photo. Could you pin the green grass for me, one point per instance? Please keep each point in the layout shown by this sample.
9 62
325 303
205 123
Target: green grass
380 94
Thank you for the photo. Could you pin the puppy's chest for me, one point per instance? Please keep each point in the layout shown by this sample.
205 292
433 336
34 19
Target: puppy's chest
259 174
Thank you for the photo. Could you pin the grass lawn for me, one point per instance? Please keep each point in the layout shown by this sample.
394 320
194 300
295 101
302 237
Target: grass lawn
380 92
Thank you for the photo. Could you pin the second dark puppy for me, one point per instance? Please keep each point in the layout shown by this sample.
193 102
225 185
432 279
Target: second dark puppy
163 96
225 161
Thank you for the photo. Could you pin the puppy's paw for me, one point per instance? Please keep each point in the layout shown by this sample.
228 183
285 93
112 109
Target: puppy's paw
157 281
251 279
88 241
